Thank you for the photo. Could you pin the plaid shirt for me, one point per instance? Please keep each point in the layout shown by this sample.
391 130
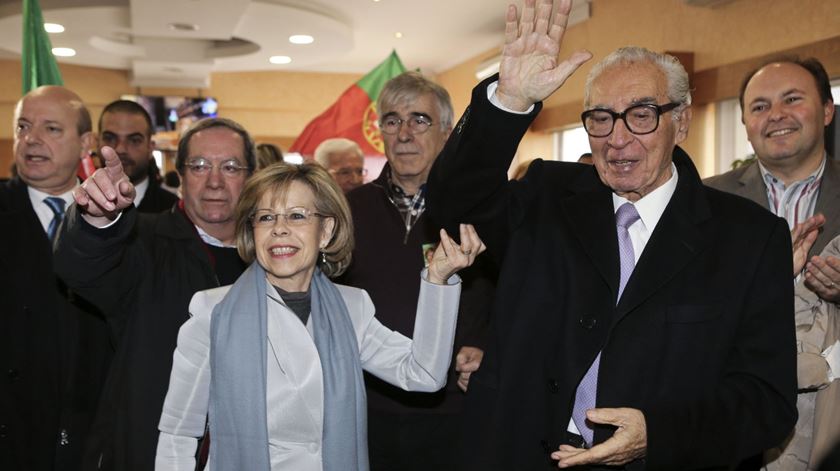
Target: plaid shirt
411 207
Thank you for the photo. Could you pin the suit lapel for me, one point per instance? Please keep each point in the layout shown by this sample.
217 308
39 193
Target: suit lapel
828 203
678 238
590 217
753 186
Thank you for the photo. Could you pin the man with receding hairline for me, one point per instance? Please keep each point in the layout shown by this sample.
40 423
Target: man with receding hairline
786 105
54 347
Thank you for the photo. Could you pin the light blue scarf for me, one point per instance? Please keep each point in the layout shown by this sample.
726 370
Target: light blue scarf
238 349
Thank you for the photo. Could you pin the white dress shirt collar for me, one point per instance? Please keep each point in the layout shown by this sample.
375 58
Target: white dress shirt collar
44 213
140 190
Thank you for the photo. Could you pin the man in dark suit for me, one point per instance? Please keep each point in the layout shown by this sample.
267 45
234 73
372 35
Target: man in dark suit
126 127
642 320
141 270
786 105
54 349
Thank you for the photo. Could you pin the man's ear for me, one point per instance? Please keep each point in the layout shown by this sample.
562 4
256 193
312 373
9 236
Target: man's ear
88 141
828 110
683 123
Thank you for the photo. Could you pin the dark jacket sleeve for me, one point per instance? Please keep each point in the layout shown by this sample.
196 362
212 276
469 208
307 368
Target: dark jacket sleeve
105 266
468 182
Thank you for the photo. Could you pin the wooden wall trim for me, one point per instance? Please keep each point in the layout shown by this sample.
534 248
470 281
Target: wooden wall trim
724 82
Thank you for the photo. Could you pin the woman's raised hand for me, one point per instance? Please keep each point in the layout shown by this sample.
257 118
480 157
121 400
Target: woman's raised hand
449 257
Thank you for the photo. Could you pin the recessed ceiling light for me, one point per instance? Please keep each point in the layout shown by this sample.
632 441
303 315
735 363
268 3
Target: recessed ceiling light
301 39
398 35
279 59
183 27
63 51
53 28
375 1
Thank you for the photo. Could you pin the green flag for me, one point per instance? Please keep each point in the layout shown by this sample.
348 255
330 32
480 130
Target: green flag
39 66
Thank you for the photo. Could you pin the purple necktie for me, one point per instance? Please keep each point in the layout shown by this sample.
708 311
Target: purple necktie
587 390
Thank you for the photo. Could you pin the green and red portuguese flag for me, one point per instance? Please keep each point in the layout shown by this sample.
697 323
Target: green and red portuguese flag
353 115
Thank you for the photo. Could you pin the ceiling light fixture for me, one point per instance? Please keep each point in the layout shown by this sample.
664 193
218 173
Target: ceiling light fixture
63 52
53 28
183 27
280 59
301 39
398 35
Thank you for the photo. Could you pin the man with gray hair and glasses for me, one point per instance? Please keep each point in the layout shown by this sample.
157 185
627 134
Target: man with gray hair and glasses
412 431
141 270
643 321
344 160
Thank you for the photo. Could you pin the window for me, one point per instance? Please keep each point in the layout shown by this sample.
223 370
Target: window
570 143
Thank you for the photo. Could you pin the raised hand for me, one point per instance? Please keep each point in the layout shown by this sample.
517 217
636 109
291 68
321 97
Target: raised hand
105 193
529 71
450 257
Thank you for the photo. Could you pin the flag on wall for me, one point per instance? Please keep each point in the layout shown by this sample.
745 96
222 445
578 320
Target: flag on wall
39 66
353 115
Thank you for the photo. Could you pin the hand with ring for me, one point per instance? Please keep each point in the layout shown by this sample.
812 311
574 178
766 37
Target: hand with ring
822 276
449 257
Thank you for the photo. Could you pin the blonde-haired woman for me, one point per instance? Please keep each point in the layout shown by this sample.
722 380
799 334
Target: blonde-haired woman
276 358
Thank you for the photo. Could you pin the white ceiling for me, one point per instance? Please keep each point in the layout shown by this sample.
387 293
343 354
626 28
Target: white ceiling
236 35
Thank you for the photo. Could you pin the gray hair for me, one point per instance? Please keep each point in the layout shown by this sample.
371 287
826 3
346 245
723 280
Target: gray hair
678 86
335 145
410 85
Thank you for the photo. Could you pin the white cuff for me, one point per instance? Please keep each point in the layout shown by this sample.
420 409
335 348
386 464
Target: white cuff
491 95
110 223
832 357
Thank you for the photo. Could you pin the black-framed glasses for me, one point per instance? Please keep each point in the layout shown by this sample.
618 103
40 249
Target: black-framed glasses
264 218
229 168
639 119
417 124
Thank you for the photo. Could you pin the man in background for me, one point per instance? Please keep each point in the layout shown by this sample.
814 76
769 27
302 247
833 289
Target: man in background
344 160
786 105
142 270
54 347
412 431
126 127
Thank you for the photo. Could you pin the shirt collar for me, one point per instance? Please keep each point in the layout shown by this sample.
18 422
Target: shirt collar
37 196
652 206
771 179
140 191
210 240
